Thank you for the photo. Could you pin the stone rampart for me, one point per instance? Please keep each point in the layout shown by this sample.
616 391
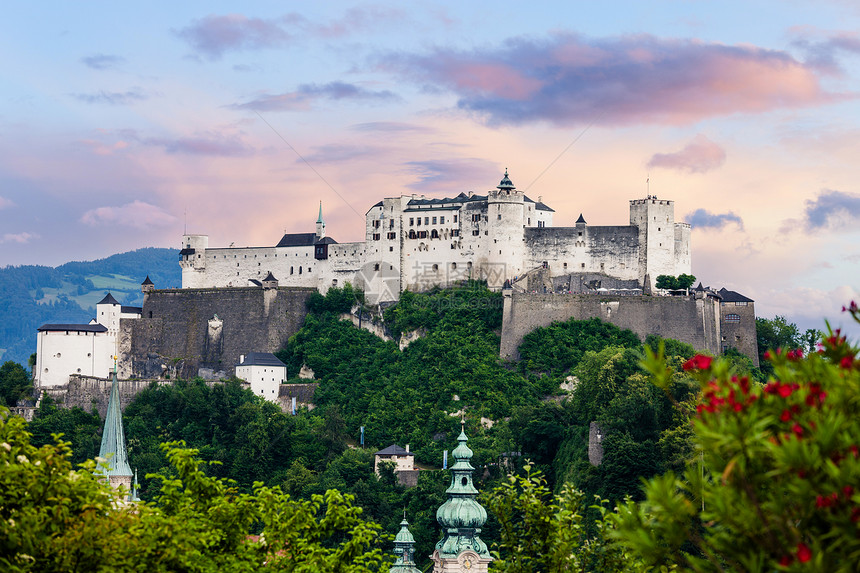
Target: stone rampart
182 331
686 319
87 392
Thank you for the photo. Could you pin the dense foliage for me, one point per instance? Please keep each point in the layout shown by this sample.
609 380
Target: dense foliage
780 464
56 518
31 296
15 383
681 282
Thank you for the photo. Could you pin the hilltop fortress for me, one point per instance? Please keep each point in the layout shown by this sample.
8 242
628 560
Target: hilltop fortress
235 301
414 243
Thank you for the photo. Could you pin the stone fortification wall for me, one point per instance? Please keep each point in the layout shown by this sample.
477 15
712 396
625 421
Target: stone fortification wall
88 392
682 318
611 250
184 330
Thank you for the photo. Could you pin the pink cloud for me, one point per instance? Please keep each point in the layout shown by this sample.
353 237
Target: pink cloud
699 156
136 214
20 238
569 80
306 94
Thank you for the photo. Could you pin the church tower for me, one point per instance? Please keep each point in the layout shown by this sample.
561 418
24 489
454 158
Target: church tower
118 472
320 225
461 516
404 549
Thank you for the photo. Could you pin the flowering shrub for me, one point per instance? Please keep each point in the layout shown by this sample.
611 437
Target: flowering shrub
777 483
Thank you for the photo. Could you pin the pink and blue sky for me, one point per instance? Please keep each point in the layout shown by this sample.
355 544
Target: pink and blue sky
120 124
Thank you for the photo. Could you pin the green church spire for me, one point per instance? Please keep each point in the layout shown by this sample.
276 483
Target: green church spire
461 516
113 440
320 219
404 549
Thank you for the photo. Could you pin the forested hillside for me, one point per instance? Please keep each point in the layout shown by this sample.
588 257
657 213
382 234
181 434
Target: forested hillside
33 295
417 396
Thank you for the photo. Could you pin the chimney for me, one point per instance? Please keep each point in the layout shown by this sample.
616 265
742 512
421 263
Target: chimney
407 448
241 359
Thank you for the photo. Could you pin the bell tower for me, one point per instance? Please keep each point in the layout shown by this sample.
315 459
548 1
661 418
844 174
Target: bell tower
461 516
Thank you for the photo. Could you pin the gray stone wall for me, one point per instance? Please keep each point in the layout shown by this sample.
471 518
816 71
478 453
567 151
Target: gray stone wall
682 318
178 333
740 335
87 392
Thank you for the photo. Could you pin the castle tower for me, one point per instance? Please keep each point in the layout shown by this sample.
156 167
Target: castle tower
505 249
147 285
655 219
118 472
461 516
320 225
404 550
192 259
108 312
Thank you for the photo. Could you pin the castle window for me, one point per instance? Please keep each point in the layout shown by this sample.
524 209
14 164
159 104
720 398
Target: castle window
300 270
529 221
376 224
435 267
391 223
565 265
390 249
434 234
658 228
499 216
376 236
475 233
476 218
580 233
291 270
455 233
442 220
376 267
455 218
583 265
733 318
434 220
453 265
486 233
411 221
419 221
412 234
392 235
426 220
739 303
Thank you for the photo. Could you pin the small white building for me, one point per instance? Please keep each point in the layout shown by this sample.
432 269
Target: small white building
264 372
403 459
86 349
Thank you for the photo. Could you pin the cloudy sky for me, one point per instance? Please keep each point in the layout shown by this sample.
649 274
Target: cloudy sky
120 126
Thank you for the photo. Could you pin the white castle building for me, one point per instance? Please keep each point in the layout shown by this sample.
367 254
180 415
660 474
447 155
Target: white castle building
412 242
85 349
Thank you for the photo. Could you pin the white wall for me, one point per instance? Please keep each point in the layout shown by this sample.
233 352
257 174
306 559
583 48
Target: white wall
265 381
59 354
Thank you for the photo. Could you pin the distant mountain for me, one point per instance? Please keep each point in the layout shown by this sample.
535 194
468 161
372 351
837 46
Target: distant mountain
31 295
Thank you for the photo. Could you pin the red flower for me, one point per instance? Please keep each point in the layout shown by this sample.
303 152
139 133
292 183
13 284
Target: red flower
697 362
785 390
798 430
804 553
847 362
848 491
786 416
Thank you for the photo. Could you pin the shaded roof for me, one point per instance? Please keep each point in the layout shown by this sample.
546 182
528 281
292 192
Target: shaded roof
463 198
261 359
581 219
184 252
270 277
108 299
73 327
146 281
302 240
131 309
394 450
113 438
732 296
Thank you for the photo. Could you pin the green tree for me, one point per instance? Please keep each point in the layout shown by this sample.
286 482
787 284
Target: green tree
550 533
774 334
15 383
